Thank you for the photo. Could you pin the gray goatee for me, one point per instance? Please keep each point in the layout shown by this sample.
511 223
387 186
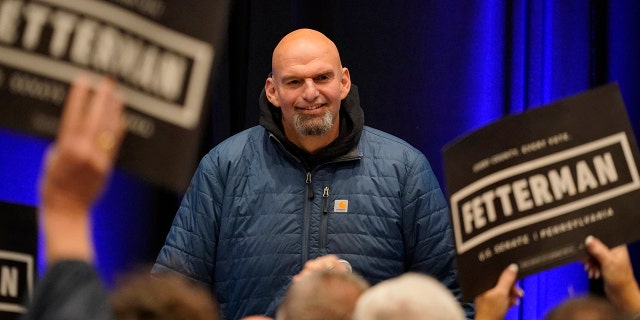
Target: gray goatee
313 125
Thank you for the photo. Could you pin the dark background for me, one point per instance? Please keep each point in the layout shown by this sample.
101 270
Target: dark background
428 71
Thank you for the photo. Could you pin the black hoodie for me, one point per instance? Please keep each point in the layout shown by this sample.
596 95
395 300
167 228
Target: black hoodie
351 123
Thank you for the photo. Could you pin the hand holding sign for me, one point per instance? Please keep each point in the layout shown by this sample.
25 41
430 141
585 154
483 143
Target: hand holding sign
614 265
563 172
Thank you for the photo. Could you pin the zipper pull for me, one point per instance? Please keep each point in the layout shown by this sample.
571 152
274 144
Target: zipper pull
309 190
325 196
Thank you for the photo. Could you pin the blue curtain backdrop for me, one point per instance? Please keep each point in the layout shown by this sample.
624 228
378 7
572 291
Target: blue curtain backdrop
428 72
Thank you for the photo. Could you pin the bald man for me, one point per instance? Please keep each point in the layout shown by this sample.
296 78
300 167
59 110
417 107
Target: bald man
311 187
323 294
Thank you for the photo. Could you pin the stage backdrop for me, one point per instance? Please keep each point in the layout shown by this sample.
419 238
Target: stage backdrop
428 71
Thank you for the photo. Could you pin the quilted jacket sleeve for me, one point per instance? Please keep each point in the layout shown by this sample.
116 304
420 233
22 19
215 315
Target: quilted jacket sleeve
190 246
70 290
427 229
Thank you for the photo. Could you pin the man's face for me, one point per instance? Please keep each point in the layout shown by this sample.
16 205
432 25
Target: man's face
309 99
308 84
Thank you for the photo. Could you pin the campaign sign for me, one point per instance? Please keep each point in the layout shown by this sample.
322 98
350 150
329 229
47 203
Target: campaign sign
160 52
529 188
18 252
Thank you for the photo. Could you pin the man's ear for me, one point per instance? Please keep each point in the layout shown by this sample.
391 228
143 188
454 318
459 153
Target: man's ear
345 82
270 91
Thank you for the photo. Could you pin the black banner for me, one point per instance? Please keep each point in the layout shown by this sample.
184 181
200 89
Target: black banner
529 189
161 52
18 256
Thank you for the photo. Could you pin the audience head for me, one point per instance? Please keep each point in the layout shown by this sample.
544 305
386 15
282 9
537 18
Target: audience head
161 297
586 308
324 294
411 296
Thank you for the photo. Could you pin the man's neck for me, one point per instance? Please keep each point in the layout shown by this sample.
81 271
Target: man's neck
313 144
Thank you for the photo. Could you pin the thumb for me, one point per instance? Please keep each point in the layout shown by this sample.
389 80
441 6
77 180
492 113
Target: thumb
508 277
596 248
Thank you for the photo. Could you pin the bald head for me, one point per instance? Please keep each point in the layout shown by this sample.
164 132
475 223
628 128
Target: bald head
324 294
304 44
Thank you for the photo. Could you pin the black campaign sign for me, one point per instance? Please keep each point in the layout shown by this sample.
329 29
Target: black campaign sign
161 52
18 252
528 189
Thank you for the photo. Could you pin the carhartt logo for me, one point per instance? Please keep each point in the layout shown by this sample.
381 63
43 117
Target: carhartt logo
341 206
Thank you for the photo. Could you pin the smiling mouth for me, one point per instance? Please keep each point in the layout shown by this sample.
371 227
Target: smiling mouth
310 108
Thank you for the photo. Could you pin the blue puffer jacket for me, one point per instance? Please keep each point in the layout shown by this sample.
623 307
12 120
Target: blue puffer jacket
254 214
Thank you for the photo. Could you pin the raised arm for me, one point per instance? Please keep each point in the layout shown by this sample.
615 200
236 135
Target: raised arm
77 166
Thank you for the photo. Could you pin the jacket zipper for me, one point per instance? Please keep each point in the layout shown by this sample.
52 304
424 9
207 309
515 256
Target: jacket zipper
309 195
325 200
307 218
324 221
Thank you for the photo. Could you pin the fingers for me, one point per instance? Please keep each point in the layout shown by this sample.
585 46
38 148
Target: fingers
72 112
592 267
328 262
325 262
515 295
599 251
507 283
91 130
346 265
494 303
100 99
93 117
104 120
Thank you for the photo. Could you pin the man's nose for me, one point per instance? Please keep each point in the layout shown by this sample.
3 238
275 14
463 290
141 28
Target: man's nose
310 90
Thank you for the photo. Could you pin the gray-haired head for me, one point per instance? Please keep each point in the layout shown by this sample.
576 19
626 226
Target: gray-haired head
411 296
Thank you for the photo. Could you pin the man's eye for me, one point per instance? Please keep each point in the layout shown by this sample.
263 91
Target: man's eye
322 78
293 82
